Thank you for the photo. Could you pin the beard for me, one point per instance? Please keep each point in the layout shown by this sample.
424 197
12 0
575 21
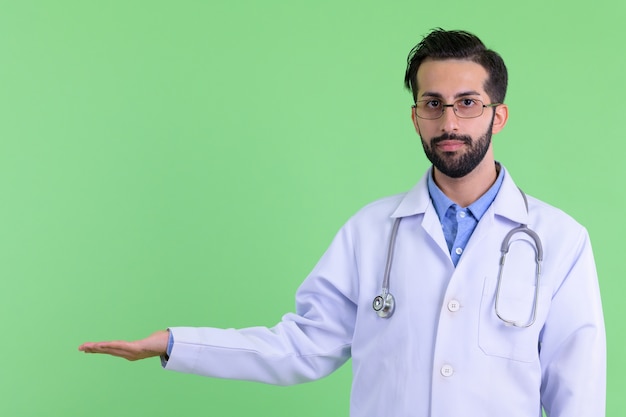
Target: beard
455 164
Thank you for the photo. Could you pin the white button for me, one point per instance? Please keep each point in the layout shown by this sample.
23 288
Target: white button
462 214
458 251
447 370
454 305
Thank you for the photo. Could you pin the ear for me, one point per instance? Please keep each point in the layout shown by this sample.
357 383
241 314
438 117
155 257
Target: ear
500 118
414 118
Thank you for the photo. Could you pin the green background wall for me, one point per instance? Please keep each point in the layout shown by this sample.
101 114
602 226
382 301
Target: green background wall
187 163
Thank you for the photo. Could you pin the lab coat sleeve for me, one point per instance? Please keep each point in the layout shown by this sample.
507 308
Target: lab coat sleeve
572 345
304 346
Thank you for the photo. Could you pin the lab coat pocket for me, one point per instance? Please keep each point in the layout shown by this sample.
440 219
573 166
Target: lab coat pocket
516 303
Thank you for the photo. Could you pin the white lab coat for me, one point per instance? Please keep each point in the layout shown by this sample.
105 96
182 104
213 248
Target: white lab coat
444 352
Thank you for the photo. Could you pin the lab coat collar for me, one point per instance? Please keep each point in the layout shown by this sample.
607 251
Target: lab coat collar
508 203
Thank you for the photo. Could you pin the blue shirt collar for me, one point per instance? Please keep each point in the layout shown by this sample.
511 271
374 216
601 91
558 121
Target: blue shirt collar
478 208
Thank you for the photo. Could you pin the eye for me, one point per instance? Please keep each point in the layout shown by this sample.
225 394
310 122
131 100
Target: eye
432 104
466 102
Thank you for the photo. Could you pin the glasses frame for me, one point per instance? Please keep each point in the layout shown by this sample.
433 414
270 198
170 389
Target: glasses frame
454 109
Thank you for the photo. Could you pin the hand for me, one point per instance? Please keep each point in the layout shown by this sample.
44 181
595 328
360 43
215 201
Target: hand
153 345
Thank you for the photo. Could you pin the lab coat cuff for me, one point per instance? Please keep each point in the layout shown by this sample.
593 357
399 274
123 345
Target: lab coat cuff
170 344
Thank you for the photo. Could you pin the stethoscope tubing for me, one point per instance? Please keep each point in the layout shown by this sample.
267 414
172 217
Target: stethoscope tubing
385 303
504 249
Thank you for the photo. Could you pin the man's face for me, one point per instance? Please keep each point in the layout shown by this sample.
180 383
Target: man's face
455 146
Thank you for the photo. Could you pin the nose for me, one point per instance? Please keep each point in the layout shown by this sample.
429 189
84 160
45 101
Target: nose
449 119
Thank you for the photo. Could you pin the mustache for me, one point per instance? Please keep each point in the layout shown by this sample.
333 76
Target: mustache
451 136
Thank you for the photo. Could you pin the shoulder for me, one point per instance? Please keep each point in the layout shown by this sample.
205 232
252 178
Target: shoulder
373 219
516 205
562 235
544 214
378 210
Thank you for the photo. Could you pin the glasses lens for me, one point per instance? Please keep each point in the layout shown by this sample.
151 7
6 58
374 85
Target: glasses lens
468 108
429 109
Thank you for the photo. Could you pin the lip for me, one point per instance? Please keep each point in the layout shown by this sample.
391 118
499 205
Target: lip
450 145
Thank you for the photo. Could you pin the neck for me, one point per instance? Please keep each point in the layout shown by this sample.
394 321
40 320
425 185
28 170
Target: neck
464 191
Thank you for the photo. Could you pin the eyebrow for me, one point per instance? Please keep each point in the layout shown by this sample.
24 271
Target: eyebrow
457 95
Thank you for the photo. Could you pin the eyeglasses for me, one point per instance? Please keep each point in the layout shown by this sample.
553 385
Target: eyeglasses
464 108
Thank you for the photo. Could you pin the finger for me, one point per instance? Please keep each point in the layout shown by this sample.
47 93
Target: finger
87 347
112 351
131 351
105 347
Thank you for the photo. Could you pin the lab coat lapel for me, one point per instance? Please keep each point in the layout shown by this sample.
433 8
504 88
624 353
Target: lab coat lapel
432 226
509 202
417 201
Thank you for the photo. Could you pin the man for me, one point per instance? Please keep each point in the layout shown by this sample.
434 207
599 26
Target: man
465 333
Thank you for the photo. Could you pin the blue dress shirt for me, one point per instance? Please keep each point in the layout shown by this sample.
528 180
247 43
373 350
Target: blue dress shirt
458 223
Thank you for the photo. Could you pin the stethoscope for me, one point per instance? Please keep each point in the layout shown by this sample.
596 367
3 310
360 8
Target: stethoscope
385 303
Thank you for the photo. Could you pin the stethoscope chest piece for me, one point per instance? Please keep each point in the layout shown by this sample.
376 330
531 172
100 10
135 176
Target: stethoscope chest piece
384 305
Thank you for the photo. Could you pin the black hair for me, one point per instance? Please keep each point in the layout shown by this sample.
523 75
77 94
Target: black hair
442 44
